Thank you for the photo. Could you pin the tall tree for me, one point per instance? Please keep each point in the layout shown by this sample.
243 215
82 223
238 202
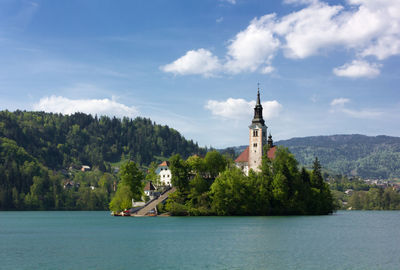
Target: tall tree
130 187
179 172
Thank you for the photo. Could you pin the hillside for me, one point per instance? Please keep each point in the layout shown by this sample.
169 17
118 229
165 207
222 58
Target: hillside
40 151
365 156
59 141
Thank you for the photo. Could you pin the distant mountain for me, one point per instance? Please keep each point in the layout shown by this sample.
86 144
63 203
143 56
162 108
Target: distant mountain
365 156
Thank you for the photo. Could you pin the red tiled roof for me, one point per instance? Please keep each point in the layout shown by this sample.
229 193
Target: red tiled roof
271 152
244 156
164 163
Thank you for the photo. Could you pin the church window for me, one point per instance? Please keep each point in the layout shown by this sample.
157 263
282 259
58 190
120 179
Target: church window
254 145
255 133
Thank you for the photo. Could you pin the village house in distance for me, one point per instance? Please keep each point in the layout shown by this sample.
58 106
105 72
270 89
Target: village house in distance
251 157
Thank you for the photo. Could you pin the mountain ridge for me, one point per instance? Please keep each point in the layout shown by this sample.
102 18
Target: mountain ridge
347 154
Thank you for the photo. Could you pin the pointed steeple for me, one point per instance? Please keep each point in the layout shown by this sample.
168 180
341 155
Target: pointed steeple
270 142
258 118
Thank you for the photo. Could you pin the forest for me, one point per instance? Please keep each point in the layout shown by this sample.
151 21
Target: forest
214 186
354 155
41 152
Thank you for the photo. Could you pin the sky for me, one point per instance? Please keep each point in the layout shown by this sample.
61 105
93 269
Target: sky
323 67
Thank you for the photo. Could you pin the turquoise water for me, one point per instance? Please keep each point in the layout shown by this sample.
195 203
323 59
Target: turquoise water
95 240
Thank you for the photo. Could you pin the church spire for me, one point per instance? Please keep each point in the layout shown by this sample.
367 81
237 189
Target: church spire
270 141
258 118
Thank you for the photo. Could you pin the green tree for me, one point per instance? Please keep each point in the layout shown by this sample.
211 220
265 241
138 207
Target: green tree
180 173
152 175
130 187
215 163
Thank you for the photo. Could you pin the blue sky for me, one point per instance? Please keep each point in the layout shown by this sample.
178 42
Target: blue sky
324 67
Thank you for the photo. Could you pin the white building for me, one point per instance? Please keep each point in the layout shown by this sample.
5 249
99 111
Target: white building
149 189
165 173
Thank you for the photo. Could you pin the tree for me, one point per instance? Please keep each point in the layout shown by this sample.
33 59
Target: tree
228 193
215 163
180 173
152 175
130 187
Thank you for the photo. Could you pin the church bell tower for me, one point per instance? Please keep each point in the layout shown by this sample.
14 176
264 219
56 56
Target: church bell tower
258 136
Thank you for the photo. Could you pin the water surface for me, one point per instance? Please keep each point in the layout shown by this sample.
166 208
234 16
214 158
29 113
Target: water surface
95 240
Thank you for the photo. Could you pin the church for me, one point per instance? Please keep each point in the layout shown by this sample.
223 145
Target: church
251 157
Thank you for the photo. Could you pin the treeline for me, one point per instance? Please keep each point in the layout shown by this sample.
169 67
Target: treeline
215 186
363 196
357 155
40 151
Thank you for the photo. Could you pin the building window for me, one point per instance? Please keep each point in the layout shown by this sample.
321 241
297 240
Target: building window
254 145
255 133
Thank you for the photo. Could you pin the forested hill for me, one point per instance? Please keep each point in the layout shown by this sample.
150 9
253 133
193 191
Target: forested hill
59 141
358 155
41 155
365 156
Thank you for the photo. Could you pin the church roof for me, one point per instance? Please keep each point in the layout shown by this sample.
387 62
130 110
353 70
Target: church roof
244 156
271 152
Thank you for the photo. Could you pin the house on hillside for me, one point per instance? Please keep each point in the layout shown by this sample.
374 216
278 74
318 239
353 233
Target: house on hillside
251 157
149 190
165 173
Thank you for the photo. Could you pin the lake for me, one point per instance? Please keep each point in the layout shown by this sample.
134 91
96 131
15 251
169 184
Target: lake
95 240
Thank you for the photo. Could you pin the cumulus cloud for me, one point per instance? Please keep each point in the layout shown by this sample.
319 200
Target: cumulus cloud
252 47
362 27
237 109
338 105
110 107
358 68
199 61
370 27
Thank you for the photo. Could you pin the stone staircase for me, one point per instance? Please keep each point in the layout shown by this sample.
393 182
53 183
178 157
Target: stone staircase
151 205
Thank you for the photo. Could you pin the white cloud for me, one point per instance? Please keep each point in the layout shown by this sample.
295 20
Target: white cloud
358 68
339 101
370 27
271 109
338 105
220 19
241 109
267 69
59 104
252 47
201 62
361 27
